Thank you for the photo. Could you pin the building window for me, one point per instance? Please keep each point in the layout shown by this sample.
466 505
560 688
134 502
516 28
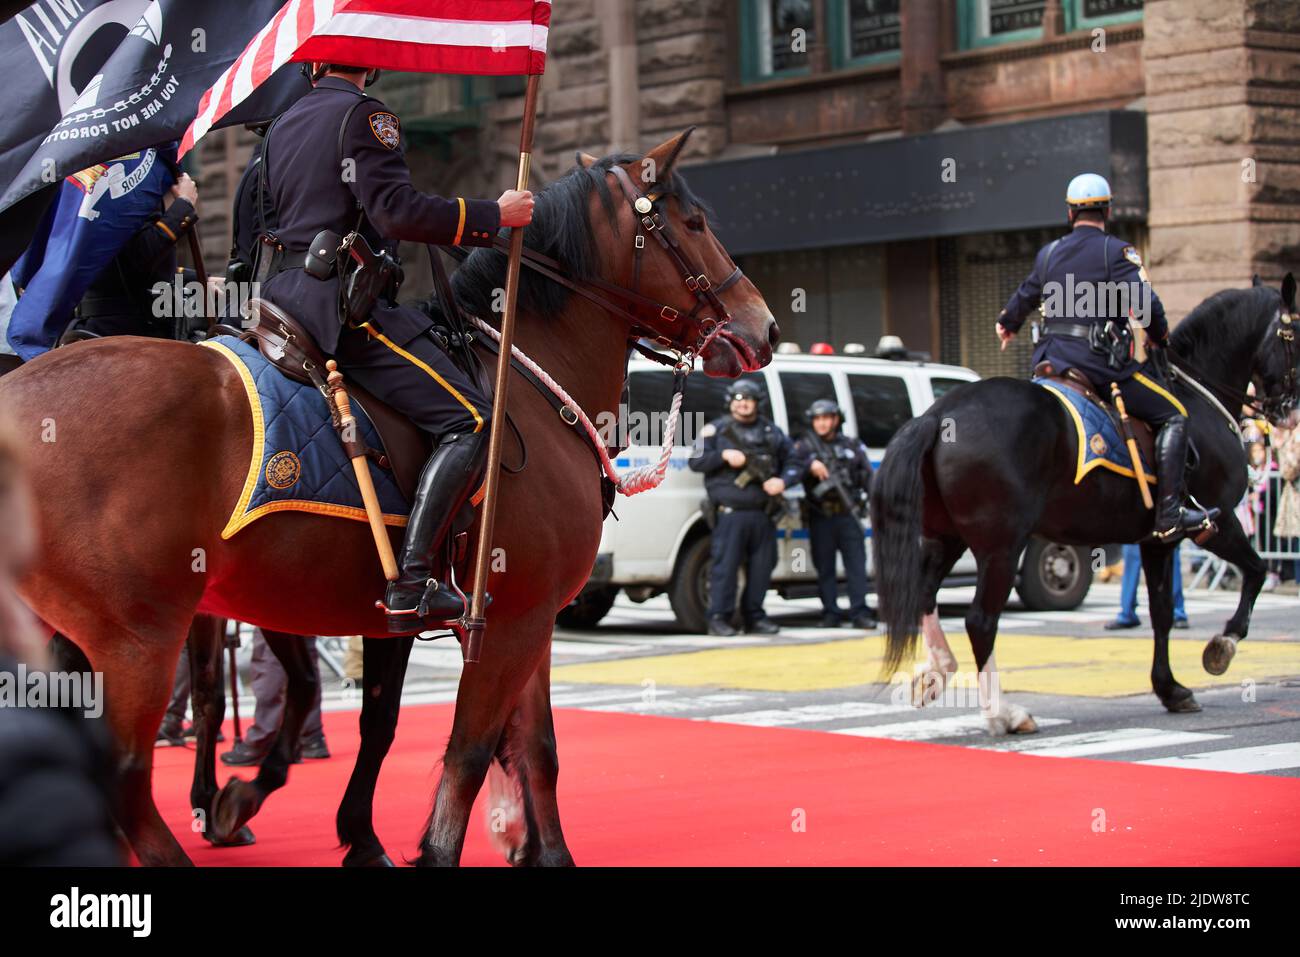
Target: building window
1086 14
987 22
865 31
771 44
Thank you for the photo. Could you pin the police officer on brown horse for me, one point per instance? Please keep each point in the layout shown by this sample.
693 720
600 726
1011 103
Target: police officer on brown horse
333 167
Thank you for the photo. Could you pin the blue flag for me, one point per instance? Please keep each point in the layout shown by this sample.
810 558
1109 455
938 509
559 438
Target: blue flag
93 216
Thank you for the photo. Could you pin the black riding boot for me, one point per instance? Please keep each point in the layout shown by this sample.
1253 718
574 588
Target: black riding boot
1173 518
416 601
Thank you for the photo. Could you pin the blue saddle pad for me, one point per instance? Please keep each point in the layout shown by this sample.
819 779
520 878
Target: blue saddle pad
1100 444
298 462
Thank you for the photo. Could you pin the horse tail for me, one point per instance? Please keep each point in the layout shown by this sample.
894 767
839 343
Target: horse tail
896 506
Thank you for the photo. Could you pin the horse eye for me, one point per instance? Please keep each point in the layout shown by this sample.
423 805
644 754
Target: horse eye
695 224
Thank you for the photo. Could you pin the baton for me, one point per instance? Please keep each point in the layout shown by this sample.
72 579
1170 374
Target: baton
362 469
234 674
1132 444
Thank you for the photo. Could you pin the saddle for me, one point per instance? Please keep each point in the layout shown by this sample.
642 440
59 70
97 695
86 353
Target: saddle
291 349
1076 381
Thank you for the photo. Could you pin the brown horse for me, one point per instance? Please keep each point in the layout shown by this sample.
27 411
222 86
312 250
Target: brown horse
138 450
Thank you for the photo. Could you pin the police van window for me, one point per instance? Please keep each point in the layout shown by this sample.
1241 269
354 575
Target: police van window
882 406
942 387
650 393
801 390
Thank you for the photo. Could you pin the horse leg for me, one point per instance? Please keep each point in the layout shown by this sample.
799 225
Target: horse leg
996 576
205 646
1157 564
240 800
383 670
487 695
138 674
930 677
1232 545
529 755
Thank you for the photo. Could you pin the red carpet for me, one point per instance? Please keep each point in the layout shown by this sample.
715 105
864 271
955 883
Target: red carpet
663 791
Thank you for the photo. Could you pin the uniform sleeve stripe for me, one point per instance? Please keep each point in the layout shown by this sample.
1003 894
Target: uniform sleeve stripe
460 224
163 226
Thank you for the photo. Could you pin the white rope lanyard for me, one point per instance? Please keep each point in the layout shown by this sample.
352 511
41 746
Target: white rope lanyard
630 483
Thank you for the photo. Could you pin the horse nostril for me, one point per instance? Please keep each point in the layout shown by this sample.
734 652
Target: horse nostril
773 333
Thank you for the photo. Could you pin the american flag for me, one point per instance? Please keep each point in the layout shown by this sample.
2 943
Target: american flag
484 37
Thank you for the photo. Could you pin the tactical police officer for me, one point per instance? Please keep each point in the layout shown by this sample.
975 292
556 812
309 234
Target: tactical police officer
1073 279
120 300
742 456
333 165
836 476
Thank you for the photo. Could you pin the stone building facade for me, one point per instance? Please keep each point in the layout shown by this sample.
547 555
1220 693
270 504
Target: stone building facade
898 162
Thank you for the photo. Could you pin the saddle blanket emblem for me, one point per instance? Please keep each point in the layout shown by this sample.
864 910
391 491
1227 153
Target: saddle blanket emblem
297 462
1100 444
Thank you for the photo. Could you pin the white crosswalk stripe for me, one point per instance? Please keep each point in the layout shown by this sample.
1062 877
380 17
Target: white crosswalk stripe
1264 757
1104 742
926 729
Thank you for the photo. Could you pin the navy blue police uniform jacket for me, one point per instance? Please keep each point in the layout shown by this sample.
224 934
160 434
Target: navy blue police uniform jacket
849 451
1084 256
726 432
313 188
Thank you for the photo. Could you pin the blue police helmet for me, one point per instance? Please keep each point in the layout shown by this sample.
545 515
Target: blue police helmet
1088 191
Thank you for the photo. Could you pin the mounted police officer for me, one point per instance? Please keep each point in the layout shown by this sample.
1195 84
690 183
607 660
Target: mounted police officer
836 476
1073 278
742 456
334 168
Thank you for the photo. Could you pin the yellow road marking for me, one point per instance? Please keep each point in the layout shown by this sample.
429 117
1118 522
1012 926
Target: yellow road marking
1048 664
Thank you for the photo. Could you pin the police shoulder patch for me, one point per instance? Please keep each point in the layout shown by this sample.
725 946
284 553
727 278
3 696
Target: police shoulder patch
387 129
1132 256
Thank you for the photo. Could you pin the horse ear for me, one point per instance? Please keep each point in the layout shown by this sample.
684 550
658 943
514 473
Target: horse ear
1288 291
659 161
585 160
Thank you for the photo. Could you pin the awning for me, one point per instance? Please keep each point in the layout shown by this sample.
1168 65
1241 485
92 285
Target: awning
1008 176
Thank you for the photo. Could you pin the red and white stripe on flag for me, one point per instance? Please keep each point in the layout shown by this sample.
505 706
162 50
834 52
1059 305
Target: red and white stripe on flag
483 37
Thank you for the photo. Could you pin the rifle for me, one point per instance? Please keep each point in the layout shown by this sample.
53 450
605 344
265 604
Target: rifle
835 480
758 467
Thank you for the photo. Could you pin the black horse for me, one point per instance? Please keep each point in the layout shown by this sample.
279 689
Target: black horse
993 462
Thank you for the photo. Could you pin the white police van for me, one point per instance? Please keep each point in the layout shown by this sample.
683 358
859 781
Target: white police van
657 542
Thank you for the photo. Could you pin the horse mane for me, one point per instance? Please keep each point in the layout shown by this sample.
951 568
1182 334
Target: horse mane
560 229
1215 321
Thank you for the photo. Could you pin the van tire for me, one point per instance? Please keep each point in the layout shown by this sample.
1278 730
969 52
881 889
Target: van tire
688 593
586 611
1054 577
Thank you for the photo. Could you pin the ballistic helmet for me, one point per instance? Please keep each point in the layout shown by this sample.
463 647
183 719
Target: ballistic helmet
744 389
824 407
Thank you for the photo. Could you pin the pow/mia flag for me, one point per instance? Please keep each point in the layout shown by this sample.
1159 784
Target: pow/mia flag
87 81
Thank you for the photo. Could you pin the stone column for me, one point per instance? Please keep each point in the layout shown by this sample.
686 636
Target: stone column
920 77
624 91
1223 140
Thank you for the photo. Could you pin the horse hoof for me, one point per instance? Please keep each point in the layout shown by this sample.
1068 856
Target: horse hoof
1218 654
1027 726
244 837
234 807
927 687
367 859
1188 705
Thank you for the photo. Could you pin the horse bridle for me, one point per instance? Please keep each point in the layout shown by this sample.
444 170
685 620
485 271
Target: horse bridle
1273 406
651 221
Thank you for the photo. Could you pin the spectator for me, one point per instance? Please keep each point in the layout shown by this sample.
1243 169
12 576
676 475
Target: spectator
1127 617
1286 527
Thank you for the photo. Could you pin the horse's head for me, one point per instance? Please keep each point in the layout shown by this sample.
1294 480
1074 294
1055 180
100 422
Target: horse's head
1275 370
663 250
